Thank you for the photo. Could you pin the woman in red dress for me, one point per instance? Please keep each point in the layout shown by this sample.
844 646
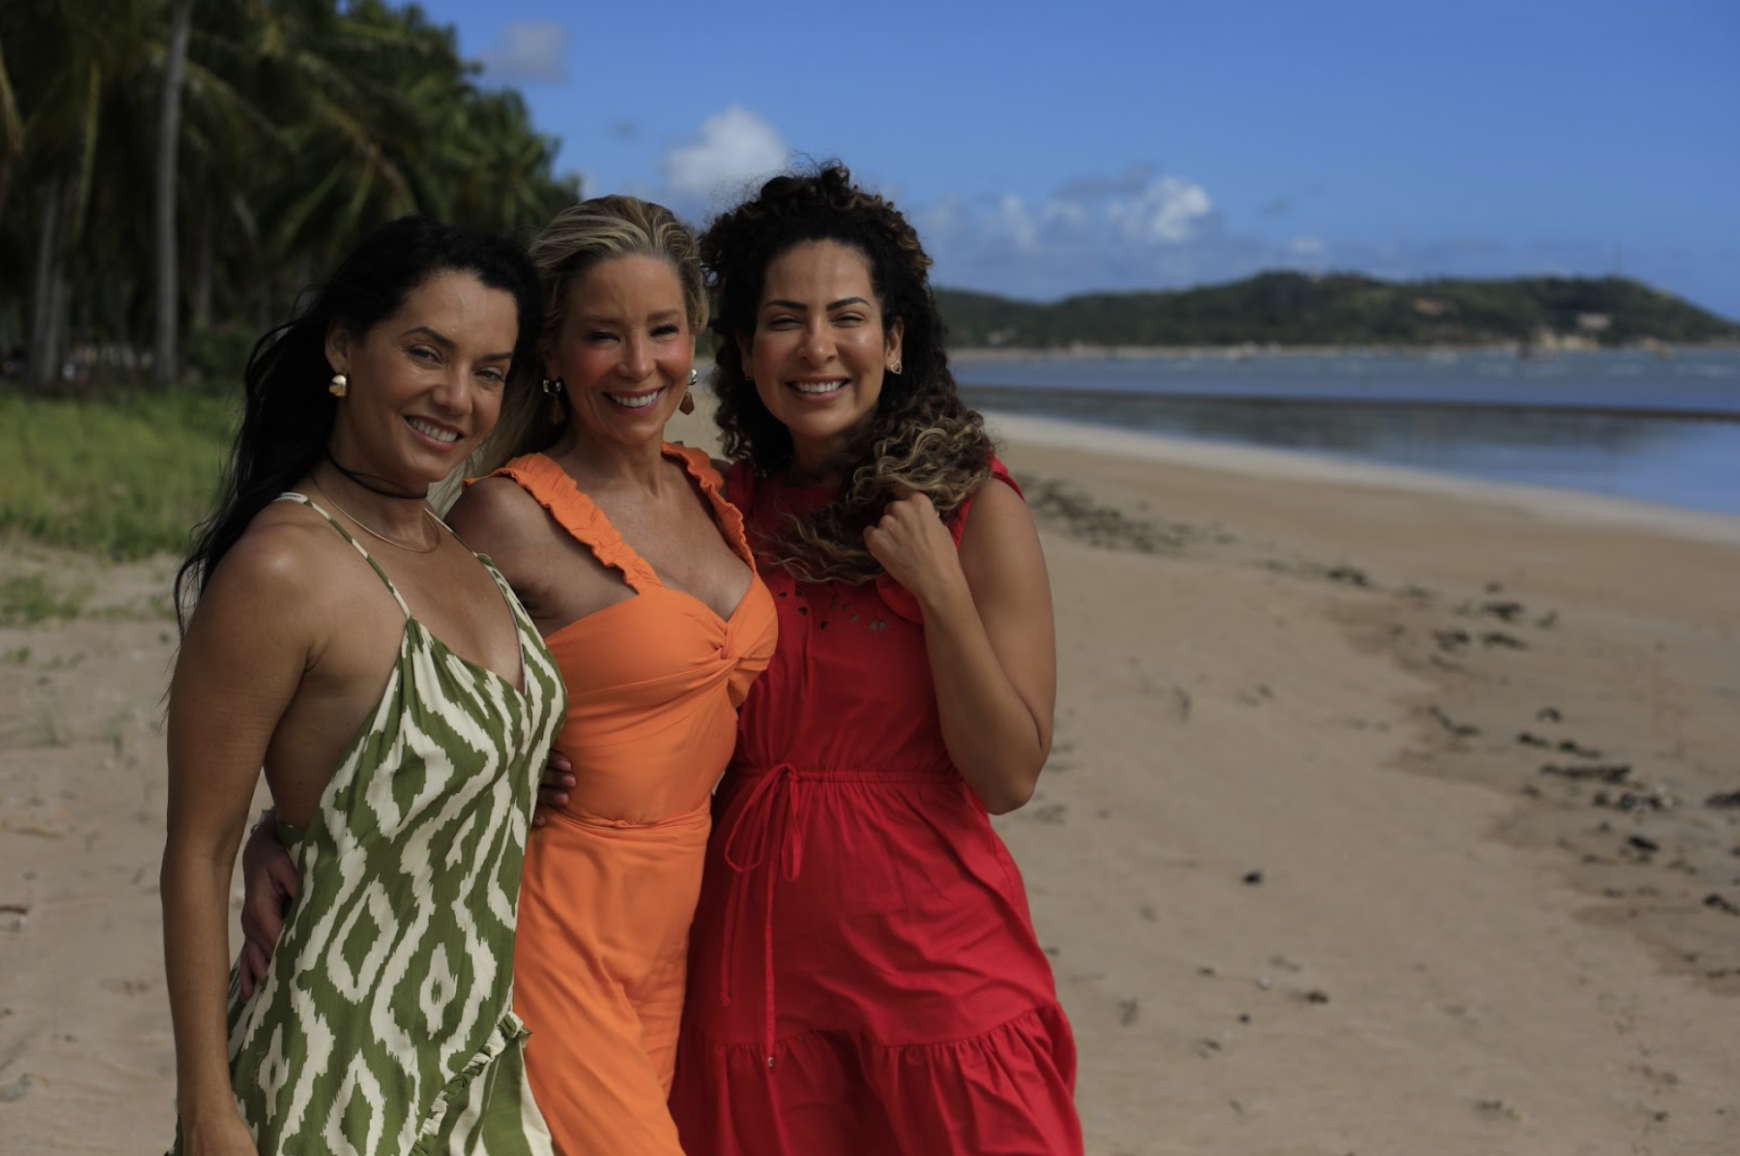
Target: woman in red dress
864 974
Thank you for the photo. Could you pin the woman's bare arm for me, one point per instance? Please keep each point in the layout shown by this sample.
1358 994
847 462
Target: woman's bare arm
240 665
988 631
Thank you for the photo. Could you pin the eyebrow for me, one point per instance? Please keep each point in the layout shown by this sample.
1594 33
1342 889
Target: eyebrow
446 342
613 319
782 303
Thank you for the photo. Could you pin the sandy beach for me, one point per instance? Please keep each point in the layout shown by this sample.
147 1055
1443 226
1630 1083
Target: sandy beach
1388 815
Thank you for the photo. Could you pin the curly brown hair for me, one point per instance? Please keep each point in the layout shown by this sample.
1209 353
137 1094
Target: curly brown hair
922 436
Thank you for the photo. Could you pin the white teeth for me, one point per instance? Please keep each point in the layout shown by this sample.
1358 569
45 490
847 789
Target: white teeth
440 435
817 386
634 401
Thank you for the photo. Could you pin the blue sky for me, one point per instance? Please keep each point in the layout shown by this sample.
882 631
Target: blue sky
1052 149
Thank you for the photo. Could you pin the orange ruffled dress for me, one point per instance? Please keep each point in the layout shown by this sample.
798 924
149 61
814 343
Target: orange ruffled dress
611 880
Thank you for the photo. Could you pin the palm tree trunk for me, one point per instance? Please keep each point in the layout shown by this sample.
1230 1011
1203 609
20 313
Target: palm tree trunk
163 359
47 291
203 259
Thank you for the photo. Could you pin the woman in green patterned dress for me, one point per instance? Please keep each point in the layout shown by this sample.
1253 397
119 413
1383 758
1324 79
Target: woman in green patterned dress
400 703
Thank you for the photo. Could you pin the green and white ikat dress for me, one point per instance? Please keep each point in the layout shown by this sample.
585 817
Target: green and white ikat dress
386 1024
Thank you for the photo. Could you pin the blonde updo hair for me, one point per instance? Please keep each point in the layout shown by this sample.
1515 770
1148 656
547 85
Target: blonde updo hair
576 241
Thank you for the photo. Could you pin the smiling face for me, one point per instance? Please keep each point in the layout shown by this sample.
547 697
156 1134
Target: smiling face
426 382
820 349
624 350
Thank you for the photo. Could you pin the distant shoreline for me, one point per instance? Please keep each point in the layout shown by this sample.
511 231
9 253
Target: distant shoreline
1253 350
1285 400
1281 464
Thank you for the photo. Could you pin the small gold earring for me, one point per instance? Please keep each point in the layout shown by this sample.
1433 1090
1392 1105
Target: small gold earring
553 387
894 366
339 386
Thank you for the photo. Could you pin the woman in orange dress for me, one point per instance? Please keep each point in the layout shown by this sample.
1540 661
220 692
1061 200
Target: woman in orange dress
637 574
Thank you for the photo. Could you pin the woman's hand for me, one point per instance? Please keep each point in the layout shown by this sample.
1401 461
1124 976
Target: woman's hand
553 791
913 545
223 1135
268 882
987 631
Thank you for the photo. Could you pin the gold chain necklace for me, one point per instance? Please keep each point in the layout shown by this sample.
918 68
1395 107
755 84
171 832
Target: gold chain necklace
429 549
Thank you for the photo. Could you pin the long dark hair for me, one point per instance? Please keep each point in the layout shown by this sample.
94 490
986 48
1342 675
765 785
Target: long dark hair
288 412
921 437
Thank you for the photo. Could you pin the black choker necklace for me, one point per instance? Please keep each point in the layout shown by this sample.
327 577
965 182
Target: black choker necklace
361 480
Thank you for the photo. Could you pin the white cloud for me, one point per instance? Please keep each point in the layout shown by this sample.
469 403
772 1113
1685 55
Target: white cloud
943 219
1066 214
1015 223
1135 230
735 146
1168 210
527 50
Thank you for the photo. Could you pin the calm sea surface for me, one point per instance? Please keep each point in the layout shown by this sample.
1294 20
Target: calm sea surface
1632 424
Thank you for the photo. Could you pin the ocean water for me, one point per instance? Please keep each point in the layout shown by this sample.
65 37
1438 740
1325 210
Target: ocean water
1633 424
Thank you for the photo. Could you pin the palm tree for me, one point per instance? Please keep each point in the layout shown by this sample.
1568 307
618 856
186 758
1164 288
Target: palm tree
164 364
282 128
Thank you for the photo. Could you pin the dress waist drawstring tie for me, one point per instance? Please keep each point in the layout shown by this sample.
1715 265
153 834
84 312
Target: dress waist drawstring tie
774 799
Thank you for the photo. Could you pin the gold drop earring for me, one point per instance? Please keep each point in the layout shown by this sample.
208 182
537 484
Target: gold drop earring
687 405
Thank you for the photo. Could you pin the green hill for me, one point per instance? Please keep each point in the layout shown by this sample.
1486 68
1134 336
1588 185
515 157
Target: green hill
1342 309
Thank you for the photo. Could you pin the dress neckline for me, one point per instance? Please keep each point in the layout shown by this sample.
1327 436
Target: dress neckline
413 622
612 549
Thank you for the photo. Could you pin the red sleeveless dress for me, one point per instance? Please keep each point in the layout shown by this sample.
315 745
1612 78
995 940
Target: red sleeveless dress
864 976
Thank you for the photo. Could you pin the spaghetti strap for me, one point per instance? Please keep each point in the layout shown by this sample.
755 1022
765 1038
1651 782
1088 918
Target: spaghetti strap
293 496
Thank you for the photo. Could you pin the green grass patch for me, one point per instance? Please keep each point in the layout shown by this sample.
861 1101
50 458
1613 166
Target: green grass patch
52 728
127 475
27 599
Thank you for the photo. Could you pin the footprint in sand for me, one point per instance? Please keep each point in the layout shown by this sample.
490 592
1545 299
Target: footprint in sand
127 986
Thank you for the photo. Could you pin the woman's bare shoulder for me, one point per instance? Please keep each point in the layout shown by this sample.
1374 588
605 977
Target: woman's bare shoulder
496 508
289 572
287 542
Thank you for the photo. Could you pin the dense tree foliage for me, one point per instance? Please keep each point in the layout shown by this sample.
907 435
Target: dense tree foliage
227 150
1341 310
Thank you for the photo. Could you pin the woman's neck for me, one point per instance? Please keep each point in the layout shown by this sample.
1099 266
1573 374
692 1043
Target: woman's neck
401 521
819 468
596 461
